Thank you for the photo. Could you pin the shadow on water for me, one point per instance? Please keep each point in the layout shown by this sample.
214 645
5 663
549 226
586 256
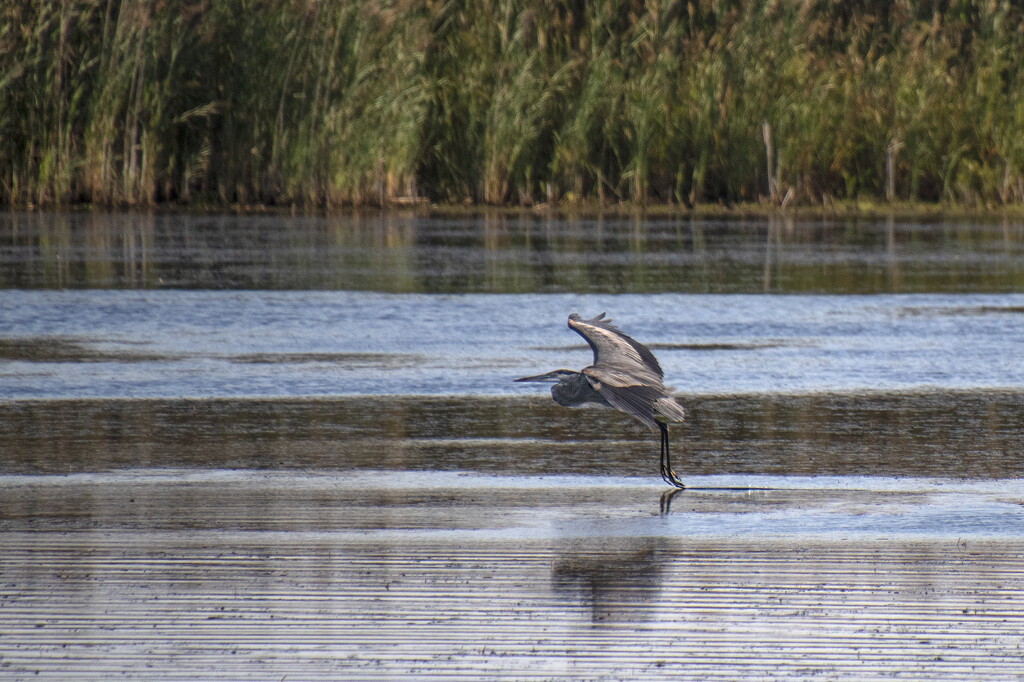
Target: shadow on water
975 434
498 253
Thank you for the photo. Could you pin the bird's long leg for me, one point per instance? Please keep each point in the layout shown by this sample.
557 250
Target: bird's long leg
661 452
666 463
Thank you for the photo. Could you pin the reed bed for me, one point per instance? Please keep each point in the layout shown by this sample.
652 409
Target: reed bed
323 103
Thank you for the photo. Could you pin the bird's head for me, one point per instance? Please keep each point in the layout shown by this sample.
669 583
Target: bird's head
556 375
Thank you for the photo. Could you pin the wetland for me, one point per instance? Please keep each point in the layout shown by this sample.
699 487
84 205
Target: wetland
252 447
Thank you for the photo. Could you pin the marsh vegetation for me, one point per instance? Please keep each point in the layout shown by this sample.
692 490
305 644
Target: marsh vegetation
324 104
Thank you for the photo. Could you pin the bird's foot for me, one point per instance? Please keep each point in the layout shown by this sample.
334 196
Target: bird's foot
669 476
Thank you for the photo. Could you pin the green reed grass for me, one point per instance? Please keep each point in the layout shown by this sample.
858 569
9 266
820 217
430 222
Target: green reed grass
322 103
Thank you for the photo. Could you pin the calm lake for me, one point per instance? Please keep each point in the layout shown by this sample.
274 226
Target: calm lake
277 447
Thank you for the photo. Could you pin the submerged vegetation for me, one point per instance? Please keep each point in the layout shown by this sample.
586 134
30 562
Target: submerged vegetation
332 102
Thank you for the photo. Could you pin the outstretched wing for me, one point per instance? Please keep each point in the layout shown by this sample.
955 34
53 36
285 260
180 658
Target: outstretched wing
613 348
626 394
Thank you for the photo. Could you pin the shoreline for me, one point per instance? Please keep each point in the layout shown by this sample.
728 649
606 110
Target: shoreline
853 209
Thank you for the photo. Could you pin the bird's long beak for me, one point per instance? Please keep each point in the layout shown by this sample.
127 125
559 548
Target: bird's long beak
550 376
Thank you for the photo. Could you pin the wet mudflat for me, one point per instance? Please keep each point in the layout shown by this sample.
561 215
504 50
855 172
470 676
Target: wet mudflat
175 574
291 449
280 538
303 605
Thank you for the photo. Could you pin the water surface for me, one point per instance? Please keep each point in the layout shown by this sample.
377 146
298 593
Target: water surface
275 448
496 253
962 434
377 575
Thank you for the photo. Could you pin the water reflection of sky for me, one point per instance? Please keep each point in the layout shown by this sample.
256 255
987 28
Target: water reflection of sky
251 343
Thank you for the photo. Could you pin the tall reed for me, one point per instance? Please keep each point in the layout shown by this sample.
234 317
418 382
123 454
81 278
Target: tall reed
328 102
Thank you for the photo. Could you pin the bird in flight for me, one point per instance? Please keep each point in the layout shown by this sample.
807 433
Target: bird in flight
625 375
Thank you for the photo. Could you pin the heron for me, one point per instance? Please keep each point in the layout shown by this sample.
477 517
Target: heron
625 376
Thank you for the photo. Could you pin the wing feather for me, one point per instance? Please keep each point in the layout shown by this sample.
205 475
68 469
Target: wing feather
621 377
633 398
614 348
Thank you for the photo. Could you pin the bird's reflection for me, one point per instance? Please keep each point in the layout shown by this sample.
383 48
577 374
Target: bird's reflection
665 504
619 578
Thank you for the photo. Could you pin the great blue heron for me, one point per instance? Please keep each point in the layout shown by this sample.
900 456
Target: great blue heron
625 375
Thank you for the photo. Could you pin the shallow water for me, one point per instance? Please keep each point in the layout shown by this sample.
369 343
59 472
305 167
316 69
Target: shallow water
378 575
203 475
377 537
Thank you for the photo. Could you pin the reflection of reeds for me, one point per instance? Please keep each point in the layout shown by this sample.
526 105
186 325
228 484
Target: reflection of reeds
351 101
